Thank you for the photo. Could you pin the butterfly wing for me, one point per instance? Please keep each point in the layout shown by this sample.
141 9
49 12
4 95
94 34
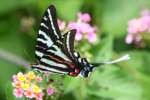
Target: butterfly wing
55 53
48 32
59 57
68 41
55 60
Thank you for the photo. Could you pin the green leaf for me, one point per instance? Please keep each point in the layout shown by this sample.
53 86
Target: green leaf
69 9
103 51
139 60
145 84
12 41
10 5
71 83
63 9
138 68
77 86
111 85
9 91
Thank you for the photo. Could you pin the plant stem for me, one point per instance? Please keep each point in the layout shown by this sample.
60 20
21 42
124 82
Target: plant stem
5 55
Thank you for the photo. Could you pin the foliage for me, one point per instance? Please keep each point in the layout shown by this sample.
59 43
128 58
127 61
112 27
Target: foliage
123 81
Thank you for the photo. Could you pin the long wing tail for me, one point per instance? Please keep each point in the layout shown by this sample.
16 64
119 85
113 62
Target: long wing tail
123 58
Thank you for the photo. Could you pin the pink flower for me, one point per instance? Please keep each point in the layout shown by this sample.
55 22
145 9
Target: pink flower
39 96
129 39
61 24
29 93
39 79
15 78
18 92
85 17
83 29
137 27
73 25
17 84
145 12
50 91
145 22
91 37
82 26
78 36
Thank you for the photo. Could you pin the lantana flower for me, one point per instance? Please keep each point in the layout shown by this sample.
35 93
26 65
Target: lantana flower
29 85
137 27
84 29
50 91
18 92
29 93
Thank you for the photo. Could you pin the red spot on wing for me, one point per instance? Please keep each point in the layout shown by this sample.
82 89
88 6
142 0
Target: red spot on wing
71 66
77 70
72 73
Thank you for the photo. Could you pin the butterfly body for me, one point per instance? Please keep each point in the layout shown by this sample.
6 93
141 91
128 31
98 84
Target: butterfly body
55 52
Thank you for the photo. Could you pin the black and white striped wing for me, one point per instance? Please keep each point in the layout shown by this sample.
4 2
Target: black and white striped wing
48 32
59 57
55 53
56 61
68 40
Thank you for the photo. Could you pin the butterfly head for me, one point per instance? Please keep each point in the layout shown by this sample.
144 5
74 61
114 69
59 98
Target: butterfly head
87 68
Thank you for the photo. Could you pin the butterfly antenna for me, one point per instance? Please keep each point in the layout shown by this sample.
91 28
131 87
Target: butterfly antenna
123 58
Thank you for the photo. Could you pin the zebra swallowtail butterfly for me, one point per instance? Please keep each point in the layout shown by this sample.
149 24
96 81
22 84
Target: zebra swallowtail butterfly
55 52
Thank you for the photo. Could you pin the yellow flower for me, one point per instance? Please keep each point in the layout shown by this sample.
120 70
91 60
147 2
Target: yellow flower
36 89
31 75
21 77
25 86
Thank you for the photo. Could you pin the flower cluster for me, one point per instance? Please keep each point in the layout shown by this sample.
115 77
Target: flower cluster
83 27
29 86
137 27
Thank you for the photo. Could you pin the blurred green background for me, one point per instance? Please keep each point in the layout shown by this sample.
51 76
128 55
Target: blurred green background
19 22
